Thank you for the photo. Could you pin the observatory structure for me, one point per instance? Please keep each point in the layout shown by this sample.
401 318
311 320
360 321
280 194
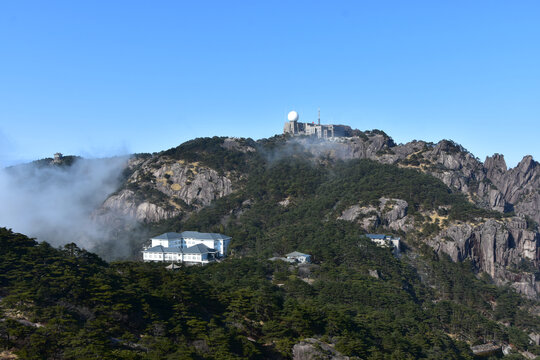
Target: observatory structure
295 128
58 158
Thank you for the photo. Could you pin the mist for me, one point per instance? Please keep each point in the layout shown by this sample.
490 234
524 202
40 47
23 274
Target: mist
57 203
306 145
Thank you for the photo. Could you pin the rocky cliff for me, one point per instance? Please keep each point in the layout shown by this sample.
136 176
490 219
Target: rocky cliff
165 184
519 187
160 187
506 250
490 184
390 214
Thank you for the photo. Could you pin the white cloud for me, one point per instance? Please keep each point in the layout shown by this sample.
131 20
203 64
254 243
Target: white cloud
55 203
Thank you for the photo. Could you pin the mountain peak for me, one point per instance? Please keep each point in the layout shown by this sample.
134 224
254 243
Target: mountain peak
495 162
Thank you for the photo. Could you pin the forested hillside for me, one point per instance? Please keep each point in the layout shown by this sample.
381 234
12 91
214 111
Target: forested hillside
69 304
285 202
272 197
283 190
355 297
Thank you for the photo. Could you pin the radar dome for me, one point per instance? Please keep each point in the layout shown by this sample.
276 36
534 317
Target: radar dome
292 116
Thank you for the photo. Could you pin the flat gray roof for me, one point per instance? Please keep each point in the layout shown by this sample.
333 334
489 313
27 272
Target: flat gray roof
376 236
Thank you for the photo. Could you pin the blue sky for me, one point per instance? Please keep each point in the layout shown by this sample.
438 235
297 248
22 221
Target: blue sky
99 78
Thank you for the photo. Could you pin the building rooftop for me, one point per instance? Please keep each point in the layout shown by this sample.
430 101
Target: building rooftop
376 236
296 253
168 236
164 249
203 236
191 235
199 249
195 249
381 237
282 259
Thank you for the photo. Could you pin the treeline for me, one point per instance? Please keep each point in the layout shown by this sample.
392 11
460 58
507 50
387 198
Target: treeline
68 304
212 152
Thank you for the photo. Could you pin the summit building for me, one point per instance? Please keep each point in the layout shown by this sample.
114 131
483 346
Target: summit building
295 128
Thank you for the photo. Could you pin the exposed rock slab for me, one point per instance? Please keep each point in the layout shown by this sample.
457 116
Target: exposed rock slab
315 349
390 212
500 248
486 349
490 184
192 184
160 188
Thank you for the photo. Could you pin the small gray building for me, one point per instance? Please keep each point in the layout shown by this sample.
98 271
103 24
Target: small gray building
299 257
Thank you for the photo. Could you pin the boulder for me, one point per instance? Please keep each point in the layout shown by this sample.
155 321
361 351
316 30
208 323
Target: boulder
310 348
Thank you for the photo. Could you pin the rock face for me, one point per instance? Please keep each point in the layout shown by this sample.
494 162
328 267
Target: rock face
486 350
191 183
234 144
126 204
391 213
365 147
160 188
491 185
315 349
520 186
506 250
367 216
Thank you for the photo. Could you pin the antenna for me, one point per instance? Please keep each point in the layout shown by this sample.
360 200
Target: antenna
319 116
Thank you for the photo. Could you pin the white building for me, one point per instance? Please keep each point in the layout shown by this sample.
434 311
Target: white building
386 241
295 128
188 246
294 258
299 257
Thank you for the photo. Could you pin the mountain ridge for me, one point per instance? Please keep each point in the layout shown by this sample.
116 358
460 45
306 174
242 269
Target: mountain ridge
178 183
278 195
490 184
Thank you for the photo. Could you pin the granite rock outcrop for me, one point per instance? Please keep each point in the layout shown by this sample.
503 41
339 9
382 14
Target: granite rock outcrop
311 348
490 184
159 188
505 249
389 213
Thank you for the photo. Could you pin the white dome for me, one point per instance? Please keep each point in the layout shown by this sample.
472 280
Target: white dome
292 116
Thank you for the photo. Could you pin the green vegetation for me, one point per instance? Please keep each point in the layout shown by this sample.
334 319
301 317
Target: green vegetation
212 153
247 308
68 303
65 161
318 192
